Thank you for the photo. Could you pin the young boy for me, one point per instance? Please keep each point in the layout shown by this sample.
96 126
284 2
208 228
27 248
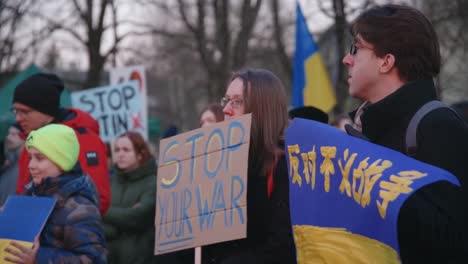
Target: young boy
74 231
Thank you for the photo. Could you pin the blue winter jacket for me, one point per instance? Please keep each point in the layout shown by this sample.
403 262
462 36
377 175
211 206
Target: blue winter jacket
74 231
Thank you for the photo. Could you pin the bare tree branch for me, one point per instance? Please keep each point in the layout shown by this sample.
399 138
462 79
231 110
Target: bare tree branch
104 5
12 47
183 14
59 25
79 10
278 36
248 17
223 36
325 10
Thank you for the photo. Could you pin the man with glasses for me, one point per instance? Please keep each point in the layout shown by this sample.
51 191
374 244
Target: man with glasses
36 103
392 62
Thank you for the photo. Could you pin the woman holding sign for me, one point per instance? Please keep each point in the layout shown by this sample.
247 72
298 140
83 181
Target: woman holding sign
129 224
269 234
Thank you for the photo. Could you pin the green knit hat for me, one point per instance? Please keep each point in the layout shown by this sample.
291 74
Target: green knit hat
58 143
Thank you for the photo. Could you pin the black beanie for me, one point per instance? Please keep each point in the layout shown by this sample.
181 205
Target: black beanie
41 92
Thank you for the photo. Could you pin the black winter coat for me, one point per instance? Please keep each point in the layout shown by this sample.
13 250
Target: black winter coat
431 224
269 232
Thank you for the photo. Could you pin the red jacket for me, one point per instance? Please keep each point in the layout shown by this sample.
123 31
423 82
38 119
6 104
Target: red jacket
92 158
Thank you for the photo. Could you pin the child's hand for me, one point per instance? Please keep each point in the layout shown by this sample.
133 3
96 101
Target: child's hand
23 254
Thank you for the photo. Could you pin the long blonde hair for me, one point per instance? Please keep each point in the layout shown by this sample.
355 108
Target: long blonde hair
265 98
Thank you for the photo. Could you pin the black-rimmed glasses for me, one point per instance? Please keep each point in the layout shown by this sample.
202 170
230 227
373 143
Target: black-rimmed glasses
235 102
20 112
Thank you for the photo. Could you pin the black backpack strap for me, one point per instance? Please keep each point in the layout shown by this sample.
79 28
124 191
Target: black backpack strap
411 130
355 133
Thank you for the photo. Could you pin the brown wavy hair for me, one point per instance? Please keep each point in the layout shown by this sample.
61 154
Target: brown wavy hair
139 144
216 109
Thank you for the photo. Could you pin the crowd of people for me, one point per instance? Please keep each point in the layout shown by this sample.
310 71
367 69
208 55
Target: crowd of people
392 61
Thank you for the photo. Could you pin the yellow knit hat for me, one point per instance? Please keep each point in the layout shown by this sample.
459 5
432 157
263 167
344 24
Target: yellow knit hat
58 143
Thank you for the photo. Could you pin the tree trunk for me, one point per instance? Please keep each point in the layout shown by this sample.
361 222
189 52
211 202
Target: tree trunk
340 27
285 60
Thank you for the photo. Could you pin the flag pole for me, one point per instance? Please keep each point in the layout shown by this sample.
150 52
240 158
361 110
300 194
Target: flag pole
198 255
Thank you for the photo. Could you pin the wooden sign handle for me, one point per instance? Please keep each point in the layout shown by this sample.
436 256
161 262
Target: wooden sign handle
198 255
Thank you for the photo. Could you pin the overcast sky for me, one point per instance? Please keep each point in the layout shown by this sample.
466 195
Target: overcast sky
72 54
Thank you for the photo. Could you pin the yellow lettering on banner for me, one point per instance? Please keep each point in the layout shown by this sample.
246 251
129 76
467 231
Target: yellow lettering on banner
294 164
309 161
367 176
327 167
345 185
313 165
305 161
169 182
390 190
358 175
371 175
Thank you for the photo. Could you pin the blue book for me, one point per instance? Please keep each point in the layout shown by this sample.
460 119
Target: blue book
22 219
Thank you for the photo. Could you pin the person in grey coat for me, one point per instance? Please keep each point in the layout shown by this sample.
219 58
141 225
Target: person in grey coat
9 169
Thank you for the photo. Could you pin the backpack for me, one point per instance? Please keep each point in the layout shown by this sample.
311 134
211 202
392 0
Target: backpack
411 145
411 130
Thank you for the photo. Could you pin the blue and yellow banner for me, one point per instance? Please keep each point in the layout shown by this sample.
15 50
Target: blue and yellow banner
346 194
22 219
311 83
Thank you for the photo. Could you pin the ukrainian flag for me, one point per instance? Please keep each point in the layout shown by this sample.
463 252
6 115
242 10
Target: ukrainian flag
311 84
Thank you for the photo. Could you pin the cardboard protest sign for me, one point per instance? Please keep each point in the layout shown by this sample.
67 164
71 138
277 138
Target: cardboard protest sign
346 194
115 107
202 186
134 73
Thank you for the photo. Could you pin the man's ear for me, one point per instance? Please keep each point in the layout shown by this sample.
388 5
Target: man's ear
387 63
